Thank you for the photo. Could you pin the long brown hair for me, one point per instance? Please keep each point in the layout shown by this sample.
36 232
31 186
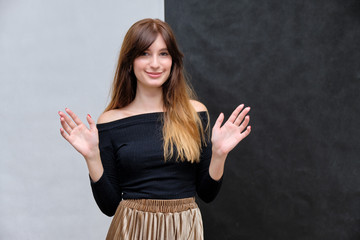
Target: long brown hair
183 132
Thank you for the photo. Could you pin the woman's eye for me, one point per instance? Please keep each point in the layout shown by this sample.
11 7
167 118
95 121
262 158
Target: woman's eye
164 54
145 54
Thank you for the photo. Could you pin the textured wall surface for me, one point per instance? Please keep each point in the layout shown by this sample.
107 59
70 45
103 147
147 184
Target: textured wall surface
297 64
55 54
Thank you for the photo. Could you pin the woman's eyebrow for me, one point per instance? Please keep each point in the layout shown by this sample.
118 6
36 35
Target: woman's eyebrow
163 49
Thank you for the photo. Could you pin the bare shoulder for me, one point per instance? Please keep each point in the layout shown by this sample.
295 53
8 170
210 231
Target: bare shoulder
111 115
198 106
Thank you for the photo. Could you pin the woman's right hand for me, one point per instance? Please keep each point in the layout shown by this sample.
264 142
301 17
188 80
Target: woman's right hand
85 140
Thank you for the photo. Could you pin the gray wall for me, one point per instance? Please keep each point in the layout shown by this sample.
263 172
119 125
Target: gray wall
297 64
55 54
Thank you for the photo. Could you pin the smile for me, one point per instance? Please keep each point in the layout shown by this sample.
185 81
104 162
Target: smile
154 74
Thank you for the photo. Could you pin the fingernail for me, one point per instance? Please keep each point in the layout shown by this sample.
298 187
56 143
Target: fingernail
89 116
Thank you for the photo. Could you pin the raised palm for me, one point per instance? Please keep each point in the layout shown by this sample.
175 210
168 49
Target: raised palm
85 140
225 138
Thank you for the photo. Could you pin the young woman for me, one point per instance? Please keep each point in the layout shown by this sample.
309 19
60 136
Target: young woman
151 151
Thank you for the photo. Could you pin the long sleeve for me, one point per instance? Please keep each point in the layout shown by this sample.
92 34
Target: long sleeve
107 190
131 151
206 187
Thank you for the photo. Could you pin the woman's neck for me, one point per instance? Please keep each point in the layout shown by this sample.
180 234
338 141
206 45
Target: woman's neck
148 101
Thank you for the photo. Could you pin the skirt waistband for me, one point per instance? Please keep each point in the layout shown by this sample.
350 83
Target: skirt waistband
164 206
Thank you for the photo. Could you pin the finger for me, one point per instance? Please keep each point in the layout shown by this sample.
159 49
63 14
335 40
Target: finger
67 120
244 123
73 116
91 122
65 125
219 121
241 116
247 132
62 132
235 113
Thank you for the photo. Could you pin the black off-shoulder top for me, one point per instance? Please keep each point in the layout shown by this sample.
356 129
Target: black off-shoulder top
131 151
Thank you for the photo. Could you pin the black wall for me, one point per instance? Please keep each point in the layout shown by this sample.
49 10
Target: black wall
297 64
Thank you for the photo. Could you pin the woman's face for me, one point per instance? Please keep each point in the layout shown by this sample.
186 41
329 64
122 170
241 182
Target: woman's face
153 67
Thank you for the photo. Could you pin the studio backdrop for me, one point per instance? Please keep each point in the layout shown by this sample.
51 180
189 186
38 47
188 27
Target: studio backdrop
55 54
297 65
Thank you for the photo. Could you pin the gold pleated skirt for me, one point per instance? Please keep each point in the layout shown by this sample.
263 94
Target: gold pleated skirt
149 219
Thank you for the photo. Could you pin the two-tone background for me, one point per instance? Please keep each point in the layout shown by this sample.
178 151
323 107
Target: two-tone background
296 63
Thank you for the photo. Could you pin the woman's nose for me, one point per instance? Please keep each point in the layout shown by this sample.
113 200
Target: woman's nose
154 62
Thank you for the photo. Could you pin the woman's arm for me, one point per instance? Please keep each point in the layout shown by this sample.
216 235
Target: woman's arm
214 153
85 140
102 170
225 138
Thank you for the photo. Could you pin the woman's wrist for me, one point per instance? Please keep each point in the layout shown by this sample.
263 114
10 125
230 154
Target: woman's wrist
218 154
94 165
93 155
216 168
96 170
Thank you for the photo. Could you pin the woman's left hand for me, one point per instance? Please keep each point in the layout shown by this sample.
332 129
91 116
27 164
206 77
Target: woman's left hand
225 138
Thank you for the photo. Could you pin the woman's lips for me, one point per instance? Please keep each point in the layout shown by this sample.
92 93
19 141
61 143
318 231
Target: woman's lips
154 74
